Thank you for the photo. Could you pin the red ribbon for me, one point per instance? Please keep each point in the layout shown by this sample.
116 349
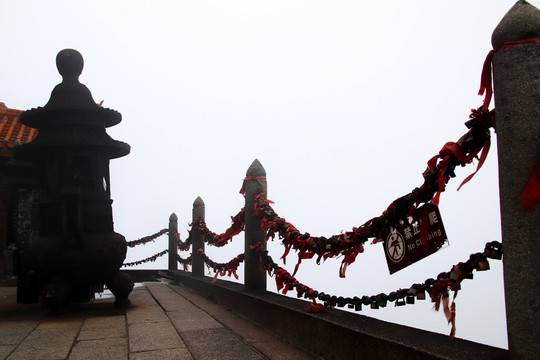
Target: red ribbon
349 257
451 148
485 81
314 307
221 239
531 194
439 295
483 156
424 230
444 155
248 178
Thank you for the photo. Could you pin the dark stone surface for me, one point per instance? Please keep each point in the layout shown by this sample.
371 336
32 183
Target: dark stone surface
516 74
521 22
516 77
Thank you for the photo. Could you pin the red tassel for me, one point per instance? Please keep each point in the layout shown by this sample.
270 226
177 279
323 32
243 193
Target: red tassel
287 250
349 258
424 230
280 273
440 295
483 156
531 194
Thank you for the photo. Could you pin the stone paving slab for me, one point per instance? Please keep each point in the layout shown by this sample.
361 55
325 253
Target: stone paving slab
144 308
105 327
205 337
14 332
267 344
102 349
219 343
181 353
5 350
165 321
52 339
153 336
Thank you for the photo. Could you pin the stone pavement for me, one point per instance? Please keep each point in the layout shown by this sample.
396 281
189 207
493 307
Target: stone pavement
165 321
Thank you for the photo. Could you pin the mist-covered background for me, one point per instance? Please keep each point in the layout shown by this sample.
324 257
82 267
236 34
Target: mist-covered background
343 103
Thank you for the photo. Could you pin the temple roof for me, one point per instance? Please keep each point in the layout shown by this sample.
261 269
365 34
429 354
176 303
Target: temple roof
12 132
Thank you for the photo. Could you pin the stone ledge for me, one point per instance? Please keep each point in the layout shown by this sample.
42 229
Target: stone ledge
336 334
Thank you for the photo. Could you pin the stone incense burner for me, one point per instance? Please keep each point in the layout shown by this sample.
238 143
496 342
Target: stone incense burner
77 250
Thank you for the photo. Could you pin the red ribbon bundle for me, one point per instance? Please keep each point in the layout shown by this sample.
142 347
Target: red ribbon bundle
238 222
228 268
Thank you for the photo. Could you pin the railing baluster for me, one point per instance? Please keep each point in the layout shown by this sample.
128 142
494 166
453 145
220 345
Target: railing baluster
516 80
197 267
173 251
254 184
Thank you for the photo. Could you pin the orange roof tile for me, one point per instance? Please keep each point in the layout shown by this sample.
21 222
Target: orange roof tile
12 132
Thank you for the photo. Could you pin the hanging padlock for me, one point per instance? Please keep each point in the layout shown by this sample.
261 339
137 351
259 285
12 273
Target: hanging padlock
366 300
490 253
373 302
329 305
410 299
421 295
382 299
466 270
482 264
358 307
493 250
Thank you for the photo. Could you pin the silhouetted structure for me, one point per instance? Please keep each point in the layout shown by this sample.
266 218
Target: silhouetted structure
18 190
77 248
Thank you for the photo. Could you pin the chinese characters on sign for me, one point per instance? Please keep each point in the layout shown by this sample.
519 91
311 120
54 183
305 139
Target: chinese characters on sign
414 238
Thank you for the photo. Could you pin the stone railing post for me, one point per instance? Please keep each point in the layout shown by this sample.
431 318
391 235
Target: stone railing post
516 79
197 264
173 252
254 184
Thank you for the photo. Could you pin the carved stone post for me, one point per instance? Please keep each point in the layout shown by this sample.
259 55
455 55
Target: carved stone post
173 251
254 184
516 78
197 240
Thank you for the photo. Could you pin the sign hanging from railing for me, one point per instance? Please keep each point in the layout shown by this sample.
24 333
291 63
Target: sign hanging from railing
414 238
